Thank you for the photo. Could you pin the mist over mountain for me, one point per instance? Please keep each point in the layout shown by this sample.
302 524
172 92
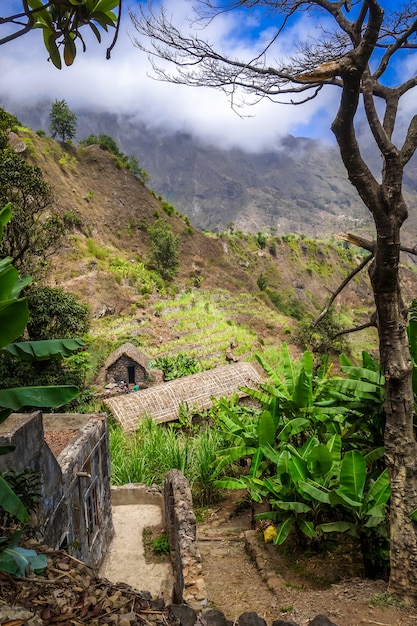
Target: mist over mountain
301 187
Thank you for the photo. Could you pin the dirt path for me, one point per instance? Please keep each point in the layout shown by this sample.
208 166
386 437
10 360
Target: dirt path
235 583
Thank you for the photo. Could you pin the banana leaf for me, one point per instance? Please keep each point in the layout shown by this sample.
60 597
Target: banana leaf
352 477
41 397
11 503
44 350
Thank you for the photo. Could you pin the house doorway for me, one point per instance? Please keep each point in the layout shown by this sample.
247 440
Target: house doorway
131 374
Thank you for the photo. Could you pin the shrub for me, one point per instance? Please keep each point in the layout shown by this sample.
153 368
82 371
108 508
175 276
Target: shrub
164 249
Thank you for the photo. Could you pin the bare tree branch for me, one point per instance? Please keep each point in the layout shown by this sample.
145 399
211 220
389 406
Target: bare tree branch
347 280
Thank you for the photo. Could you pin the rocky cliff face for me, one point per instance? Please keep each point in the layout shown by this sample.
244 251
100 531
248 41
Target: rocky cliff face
301 187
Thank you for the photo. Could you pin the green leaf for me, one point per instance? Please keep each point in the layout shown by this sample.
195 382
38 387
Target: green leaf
256 463
283 531
70 51
413 515
95 31
104 19
17 561
5 217
293 427
106 5
319 461
297 507
231 483
297 469
380 491
266 428
337 527
41 397
307 528
50 43
45 349
374 455
352 476
14 315
11 503
315 490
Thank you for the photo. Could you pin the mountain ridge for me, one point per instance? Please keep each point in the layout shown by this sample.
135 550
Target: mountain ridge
302 187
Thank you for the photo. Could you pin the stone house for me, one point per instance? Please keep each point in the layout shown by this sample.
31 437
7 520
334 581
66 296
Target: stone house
127 363
70 452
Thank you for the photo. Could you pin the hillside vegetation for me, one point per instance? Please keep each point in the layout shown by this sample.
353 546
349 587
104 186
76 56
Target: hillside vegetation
232 289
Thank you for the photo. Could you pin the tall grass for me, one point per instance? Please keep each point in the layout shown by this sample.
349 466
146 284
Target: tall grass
148 454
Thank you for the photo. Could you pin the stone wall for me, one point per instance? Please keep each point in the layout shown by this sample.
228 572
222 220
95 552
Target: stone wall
181 528
75 508
119 370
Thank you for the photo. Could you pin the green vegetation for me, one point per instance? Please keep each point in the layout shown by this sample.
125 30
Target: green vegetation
164 254
316 453
105 142
176 366
60 23
32 233
14 315
148 454
55 314
63 122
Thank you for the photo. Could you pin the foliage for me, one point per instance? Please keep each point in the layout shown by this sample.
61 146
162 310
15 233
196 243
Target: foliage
322 337
63 122
315 450
7 121
176 366
105 142
287 304
149 453
160 545
60 23
19 561
32 233
55 314
137 275
356 53
164 254
14 315
26 485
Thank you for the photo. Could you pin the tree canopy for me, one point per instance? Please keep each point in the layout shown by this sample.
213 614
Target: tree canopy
63 120
366 50
61 22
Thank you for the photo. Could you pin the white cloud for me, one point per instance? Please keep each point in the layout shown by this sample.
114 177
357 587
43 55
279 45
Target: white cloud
122 85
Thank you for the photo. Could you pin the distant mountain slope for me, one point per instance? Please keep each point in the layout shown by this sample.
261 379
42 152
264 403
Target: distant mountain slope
302 187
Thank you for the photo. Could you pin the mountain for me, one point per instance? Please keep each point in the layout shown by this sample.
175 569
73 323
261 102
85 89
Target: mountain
301 187
236 289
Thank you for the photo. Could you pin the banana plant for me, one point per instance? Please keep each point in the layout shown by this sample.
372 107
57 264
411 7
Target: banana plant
360 396
293 508
363 497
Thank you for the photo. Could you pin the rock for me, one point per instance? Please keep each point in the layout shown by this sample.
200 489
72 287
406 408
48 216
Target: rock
250 618
321 620
184 613
213 618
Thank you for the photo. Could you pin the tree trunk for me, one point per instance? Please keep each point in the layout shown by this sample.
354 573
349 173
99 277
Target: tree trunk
400 444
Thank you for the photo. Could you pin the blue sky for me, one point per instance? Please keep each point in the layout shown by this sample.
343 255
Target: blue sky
122 84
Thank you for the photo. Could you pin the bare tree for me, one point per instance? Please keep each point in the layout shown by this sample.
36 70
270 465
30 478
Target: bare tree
358 55
60 22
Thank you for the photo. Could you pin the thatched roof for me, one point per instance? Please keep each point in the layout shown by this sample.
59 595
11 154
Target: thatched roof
127 349
162 401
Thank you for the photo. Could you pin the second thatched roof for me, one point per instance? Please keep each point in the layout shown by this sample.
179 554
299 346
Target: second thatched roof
162 402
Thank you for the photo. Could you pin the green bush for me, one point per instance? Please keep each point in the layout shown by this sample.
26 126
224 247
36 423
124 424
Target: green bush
164 255
176 366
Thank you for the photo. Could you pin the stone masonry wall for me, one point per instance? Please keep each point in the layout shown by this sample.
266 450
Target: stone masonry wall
181 528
